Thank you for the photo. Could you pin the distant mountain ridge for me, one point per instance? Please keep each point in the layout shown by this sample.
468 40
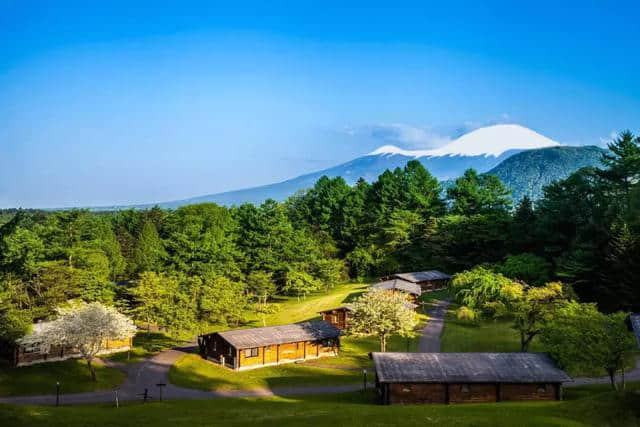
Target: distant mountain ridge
504 150
528 172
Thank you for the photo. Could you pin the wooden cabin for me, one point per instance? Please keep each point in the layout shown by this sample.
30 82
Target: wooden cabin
273 345
634 321
29 351
411 289
428 281
339 317
408 378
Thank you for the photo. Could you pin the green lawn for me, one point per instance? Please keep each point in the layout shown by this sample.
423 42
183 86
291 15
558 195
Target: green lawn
73 375
583 407
292 310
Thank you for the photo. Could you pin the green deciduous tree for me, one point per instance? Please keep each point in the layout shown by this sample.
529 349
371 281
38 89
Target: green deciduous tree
581 338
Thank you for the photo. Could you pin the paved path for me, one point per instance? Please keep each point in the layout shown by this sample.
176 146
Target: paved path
430 338
632 375
154 371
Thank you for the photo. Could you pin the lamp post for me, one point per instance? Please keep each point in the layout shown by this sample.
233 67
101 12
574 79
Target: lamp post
57 393
160 385
364 379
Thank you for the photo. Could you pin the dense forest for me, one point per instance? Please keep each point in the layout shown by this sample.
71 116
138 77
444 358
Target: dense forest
204 264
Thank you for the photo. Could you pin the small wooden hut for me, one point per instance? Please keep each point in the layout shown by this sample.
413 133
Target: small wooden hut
339 317
428 281
272 345
466 377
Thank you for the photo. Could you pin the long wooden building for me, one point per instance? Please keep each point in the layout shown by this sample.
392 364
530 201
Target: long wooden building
29 350
273 345
405 378
428 281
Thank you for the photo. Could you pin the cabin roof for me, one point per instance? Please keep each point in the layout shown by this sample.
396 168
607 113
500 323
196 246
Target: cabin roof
270 335
466 368
349 307
422 276
397 284
635 325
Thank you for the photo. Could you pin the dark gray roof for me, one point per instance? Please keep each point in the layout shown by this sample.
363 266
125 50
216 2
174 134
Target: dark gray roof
635 325
296 332
467 368
401 285
349 307
423 276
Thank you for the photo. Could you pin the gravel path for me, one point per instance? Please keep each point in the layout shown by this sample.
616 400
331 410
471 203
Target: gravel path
430 338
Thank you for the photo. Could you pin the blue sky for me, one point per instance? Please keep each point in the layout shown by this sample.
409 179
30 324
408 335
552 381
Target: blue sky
163 100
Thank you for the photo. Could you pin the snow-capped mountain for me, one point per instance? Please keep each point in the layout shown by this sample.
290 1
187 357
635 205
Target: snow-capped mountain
487 141
482 149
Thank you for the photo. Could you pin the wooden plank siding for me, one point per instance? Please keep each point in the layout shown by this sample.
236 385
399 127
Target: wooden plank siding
216 349
412 393
24 356
338 317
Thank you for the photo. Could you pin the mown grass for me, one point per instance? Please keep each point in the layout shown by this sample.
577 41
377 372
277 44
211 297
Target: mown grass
585 406
73 375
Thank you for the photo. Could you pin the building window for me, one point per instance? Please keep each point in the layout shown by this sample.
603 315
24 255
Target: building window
542 388
32 348
215 345
230 352
406 389
251 352
465 388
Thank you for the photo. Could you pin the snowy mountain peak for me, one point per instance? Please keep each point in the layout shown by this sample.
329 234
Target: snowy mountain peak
486 141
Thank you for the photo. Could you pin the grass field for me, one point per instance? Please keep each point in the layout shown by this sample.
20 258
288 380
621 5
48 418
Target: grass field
73 375
194 372
586 406
292 310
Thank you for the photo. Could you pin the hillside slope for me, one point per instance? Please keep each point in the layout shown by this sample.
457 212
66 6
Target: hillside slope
528 172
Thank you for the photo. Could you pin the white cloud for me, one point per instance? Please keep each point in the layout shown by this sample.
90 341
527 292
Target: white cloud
612 135
404 135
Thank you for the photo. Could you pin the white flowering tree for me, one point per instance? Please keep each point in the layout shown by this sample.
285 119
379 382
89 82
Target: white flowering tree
86 328
382 313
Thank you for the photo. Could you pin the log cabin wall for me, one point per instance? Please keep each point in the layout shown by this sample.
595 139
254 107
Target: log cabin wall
433 285
30 355
416 393
276 354
529 391
338 318
472 393
410 393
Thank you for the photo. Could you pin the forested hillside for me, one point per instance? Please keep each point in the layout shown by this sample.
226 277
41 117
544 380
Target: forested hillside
528 172
203 265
